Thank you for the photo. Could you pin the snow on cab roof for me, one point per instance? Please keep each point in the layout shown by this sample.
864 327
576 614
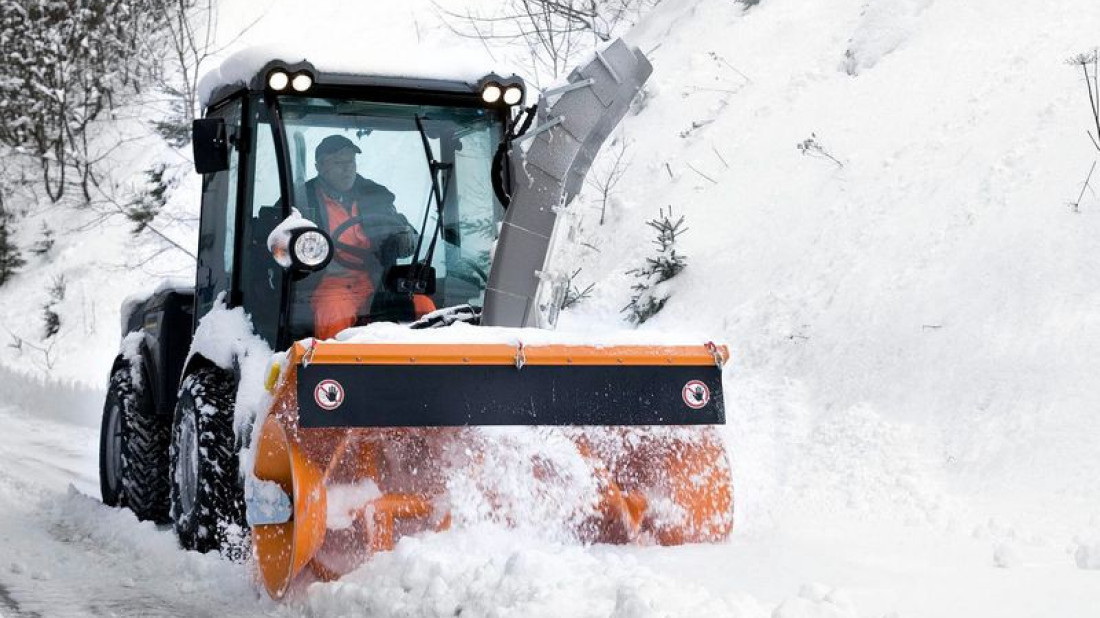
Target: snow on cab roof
420 62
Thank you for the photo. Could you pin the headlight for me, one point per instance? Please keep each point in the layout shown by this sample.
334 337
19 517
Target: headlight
278 80
491 93
302 82
311 249
513 95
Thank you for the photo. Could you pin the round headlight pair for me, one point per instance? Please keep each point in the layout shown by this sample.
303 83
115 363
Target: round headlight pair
493 92
279 80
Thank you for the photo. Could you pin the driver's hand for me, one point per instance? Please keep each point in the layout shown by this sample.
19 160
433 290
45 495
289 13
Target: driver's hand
392 233
404 242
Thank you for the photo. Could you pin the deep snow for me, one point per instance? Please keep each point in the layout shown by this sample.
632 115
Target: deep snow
912 401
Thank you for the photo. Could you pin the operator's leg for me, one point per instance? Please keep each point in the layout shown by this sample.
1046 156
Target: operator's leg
423 305
337 302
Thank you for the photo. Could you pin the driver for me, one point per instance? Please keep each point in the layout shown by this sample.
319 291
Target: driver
368 233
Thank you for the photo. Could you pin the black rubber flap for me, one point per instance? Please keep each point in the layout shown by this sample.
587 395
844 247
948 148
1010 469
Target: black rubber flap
459 395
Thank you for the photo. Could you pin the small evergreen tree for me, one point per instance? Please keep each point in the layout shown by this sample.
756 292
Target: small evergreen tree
148 202
574 294
51 319
647 302
11 260
43 245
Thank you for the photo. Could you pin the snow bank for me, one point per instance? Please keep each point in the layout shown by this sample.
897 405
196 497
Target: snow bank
1087 551
489 571
884 26
1088 556
817 601
58 399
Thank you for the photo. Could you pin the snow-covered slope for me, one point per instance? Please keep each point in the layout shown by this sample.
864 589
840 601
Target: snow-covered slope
934 278
912 407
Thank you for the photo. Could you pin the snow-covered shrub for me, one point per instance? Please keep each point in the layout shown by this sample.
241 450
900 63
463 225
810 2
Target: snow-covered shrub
648 299
11 260
45 241
574 294
150 198
175 126
813 148
51 320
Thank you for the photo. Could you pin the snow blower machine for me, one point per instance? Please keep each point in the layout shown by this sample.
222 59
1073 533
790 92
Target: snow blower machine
421 210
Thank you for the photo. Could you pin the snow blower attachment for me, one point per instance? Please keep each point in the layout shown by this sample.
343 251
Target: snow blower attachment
363 440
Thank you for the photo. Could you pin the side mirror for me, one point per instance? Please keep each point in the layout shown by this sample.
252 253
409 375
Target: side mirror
210 145
410 279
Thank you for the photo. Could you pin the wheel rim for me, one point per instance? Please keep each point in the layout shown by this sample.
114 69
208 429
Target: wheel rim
187 467
113 447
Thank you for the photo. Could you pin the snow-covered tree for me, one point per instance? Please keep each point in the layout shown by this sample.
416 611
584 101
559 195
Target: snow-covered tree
62 64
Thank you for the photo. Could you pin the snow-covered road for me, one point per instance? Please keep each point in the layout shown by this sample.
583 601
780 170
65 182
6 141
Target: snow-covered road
65 554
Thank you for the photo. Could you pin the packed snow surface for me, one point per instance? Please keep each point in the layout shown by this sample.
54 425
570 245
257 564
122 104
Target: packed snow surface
876 201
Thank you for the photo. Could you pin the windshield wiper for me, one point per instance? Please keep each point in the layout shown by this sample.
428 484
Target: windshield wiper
434 168
419 277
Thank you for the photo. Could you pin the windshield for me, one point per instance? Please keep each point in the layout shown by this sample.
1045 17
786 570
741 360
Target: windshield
360 171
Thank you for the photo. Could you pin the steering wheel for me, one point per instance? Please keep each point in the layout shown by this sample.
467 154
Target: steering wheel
381 229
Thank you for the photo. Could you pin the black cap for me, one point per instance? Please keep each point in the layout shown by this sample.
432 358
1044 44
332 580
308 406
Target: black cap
333 144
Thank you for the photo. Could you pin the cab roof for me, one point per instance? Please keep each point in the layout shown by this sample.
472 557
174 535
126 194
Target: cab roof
455 71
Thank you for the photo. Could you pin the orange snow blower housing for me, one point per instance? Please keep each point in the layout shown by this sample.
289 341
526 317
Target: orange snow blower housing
338 425
333 201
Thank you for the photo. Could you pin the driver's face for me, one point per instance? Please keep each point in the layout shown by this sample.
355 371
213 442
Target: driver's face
338 169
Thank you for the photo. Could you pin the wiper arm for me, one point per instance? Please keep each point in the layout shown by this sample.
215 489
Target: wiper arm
434 167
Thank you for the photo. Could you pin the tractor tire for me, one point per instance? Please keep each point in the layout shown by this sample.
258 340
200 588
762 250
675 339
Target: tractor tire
207 494
133 451
120 395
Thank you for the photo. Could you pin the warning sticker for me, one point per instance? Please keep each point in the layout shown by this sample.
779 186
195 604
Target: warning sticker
329 394
696 394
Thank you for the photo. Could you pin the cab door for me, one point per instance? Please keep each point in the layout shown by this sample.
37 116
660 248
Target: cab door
218 220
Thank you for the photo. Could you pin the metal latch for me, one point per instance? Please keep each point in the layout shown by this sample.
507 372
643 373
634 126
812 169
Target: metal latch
716 352
521 356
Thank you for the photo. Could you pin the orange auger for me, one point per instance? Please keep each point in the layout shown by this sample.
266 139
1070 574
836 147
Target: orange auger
346 492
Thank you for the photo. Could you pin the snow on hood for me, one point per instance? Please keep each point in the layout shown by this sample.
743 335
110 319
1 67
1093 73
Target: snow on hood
348 57
384 332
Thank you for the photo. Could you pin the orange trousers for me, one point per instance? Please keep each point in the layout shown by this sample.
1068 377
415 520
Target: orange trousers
338 302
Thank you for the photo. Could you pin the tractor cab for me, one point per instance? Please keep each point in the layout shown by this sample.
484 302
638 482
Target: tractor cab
382 190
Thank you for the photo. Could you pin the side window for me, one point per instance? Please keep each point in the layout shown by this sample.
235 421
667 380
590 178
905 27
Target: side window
214 274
